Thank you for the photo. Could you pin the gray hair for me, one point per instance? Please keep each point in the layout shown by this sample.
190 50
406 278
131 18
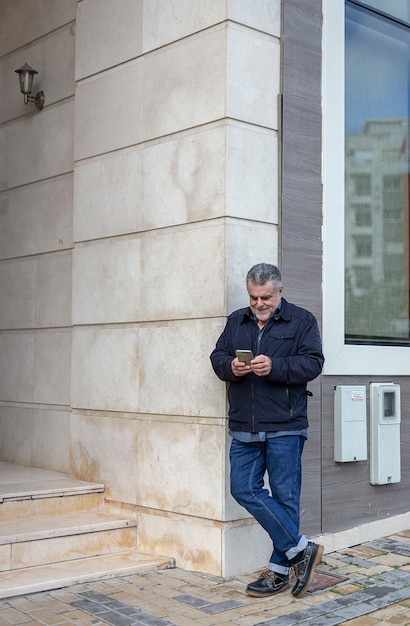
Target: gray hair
262 273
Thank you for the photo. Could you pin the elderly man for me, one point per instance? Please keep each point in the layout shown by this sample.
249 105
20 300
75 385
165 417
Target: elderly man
267 354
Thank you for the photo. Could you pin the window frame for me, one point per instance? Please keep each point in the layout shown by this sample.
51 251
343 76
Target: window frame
341 358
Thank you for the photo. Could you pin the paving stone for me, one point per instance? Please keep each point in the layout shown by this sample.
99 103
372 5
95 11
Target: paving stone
23 604
362 551
288 620
396 576
345 590
354 610
359 562
197 603
218 607
365 620
390 545
45 616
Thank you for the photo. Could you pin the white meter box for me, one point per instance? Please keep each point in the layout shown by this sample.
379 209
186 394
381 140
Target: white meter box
385 410
350 426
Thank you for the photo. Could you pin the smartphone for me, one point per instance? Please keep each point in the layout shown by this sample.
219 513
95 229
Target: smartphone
244 355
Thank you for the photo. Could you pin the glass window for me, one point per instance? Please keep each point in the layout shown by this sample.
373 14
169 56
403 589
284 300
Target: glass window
395 8
377 81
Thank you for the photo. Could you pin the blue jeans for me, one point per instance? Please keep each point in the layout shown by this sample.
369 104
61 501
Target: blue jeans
279 512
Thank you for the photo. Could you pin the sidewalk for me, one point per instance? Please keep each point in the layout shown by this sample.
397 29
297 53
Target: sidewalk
361 586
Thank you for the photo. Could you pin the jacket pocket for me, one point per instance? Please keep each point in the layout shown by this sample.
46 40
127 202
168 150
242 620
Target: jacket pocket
285 334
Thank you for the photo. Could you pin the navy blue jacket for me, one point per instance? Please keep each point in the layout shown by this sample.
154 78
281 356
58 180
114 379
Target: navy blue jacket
279 401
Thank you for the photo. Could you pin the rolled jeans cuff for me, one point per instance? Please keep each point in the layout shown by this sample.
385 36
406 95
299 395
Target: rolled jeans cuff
278 569
302 545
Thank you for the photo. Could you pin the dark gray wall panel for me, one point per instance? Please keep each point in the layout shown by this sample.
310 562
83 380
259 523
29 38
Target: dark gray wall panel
301 204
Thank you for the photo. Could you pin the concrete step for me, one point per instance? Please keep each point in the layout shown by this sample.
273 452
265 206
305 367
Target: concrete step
52 505
54 532
43 540
57 575
27 492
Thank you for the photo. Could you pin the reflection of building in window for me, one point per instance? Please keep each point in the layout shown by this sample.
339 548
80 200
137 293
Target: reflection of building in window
362 184
363 246
376 226
363 214
363 277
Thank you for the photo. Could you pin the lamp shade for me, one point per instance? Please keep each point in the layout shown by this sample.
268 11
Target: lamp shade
26 74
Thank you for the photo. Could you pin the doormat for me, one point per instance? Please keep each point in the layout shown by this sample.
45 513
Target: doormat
323 580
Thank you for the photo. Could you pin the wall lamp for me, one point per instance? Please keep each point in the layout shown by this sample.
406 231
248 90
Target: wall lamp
26 75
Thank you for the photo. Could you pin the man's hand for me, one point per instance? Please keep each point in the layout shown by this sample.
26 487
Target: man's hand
239 368
261 365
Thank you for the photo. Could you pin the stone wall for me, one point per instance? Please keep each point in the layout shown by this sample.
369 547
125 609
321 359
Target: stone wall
172 130
36 206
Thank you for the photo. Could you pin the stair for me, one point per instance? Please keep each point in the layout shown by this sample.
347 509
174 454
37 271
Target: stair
54 532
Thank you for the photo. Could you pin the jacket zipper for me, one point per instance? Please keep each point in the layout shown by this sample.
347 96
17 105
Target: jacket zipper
256 352
253 406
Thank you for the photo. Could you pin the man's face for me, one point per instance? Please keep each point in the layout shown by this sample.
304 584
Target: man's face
263 299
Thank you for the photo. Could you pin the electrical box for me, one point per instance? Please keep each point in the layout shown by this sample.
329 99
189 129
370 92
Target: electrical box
385 417
350 427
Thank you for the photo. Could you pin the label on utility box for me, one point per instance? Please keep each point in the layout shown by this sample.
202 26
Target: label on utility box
358 395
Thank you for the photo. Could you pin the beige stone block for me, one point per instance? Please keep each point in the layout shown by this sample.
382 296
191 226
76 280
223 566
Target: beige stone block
179 272
263 15
56 79
16 427
165 22
17 284
121 369
108 111
183 178
37 218
173 459
53 289
246 548
105 369
107 282
253 71
252 173
198 545
105 449
51 452
257 243
52 363
25 161
185 84
36 291
68 548
159 273
17 366
40 17
107 195
108 33
175 372
4 558
195 544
